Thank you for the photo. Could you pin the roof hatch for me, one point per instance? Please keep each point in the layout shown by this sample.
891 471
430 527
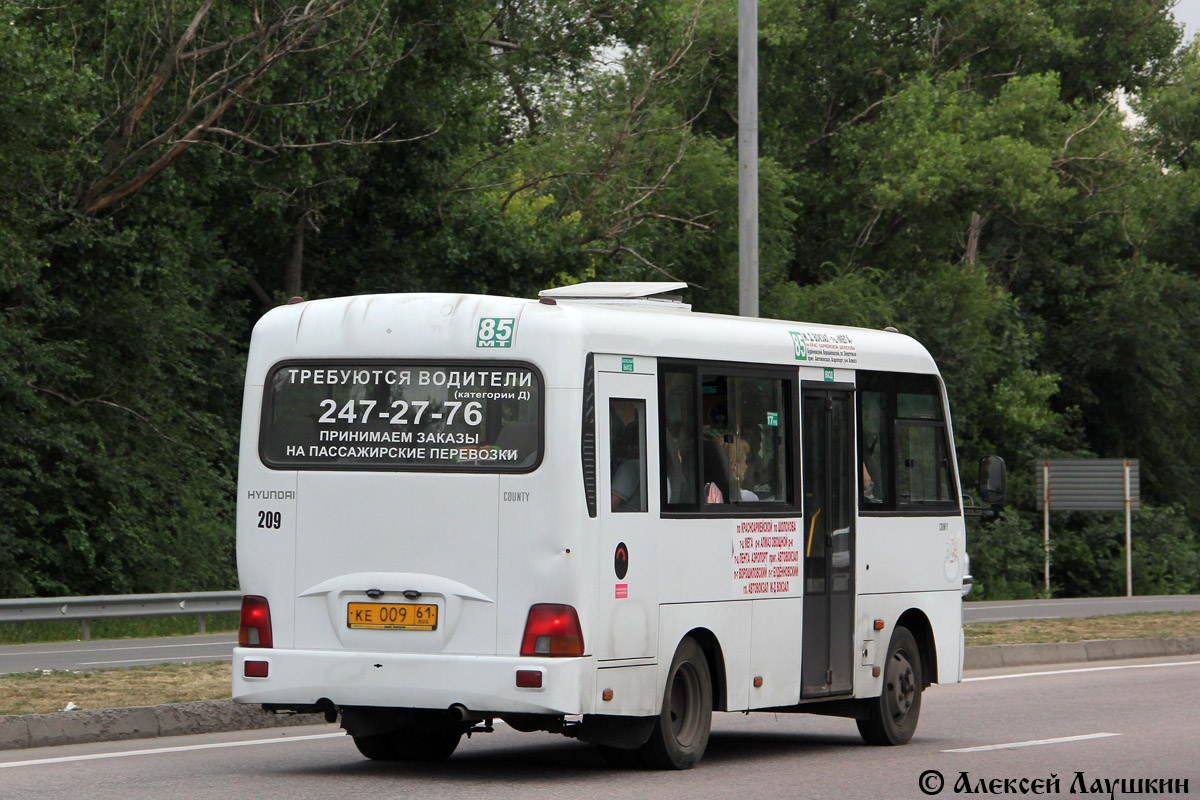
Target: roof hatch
661 294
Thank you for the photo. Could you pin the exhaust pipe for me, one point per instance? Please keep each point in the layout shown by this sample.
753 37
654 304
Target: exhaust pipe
460 713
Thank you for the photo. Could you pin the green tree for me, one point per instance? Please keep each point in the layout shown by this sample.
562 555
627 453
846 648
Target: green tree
121 350
959 170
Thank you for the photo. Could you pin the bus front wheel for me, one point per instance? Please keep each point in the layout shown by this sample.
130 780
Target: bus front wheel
892 717
681 731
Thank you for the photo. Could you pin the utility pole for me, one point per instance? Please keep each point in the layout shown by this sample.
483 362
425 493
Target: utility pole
748 158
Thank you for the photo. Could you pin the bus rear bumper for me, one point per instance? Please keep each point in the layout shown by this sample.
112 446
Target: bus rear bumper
412 680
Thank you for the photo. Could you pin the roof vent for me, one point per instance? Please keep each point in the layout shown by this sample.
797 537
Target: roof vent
662 294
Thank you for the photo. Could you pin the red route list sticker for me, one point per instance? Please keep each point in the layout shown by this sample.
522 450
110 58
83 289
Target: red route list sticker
766 558
622 591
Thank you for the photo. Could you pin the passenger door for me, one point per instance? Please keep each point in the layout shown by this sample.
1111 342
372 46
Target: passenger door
827 445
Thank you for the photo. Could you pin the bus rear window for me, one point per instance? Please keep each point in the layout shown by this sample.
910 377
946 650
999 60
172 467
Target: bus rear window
391 415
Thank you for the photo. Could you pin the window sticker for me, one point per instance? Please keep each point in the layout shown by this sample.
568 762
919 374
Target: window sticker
384 415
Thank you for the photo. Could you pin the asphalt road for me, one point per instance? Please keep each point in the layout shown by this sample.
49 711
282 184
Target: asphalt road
1131 720
100 654
105 654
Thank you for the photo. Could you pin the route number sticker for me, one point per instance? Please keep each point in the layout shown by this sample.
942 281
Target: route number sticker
496 332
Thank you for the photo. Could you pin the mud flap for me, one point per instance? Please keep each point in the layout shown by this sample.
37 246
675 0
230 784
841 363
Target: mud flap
625 733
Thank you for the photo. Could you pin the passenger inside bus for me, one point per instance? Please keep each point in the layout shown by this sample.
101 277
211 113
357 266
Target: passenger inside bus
627 454
738 453
718 478
629 487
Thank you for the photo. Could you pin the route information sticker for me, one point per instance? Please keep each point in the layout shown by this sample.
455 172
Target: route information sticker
766 558
815 347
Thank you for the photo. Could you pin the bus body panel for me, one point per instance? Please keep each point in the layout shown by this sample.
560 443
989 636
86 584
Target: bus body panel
403 544
555 336
942 609
730 624
634 689
775 638
889 544
695 554
266 553
545 541
414 680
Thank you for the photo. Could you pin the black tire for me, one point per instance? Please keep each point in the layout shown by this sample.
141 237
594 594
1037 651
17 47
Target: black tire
681 731
893 715
617 758
420 744
409 744
377 747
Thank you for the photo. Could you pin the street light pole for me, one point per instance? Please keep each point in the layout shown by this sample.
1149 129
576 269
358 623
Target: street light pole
748 158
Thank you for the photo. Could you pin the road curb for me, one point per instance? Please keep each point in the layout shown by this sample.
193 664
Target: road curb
215 716
1022 655
143 722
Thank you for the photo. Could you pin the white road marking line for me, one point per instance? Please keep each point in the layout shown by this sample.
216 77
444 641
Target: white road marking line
161 750
1080 669
79 650
1069 601
187 659
1033 743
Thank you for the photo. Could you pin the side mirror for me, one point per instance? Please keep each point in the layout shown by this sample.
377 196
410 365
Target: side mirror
993 481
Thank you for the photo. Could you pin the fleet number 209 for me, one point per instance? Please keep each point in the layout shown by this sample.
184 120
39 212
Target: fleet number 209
270 519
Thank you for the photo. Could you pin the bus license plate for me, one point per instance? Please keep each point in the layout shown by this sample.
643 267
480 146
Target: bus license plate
392 616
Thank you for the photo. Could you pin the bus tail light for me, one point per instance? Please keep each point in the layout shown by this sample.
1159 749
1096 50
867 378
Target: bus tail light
552 630
255 628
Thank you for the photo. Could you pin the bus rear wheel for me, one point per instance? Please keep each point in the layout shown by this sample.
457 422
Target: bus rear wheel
681 731
619 758
892 717
377 747
409 744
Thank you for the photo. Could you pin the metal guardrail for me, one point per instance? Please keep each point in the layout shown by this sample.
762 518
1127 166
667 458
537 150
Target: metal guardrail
118 606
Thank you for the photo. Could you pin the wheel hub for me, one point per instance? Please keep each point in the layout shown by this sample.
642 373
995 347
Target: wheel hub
903 685
685 693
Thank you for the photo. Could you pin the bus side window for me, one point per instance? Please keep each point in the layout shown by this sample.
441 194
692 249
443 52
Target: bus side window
903 444
922 460
760 430
725 437
925 467
678 455
627 454
874 445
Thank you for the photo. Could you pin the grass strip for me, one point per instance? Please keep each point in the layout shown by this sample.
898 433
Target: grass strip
47 691
1078 629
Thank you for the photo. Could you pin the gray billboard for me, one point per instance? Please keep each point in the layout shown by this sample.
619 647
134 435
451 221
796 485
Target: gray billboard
1093 484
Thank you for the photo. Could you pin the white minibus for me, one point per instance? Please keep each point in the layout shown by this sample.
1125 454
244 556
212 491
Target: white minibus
596 513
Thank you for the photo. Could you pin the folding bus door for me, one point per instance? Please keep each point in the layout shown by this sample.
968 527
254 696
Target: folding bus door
827 444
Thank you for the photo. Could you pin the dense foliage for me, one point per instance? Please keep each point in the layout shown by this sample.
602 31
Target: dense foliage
961 170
